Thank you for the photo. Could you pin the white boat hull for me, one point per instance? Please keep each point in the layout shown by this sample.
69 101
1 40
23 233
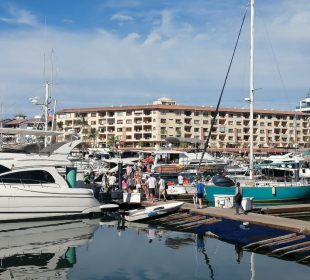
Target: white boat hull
34 202
181 190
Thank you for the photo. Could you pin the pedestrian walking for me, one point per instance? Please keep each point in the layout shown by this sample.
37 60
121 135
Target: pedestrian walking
238 199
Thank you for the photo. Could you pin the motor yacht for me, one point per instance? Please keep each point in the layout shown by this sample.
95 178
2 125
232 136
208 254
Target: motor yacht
41 192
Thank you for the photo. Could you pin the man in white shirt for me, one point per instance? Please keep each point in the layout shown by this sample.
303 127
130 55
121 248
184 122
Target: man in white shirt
112 181
180 180
151 181
162 188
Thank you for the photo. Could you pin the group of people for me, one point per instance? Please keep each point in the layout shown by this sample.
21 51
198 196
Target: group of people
133 181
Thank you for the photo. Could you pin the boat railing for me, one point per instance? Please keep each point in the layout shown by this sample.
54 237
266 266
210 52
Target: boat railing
279 184
26 182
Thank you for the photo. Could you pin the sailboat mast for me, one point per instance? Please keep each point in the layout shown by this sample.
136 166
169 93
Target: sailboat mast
45 105
252 90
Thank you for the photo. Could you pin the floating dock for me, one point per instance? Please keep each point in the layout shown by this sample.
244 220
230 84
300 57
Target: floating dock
276 236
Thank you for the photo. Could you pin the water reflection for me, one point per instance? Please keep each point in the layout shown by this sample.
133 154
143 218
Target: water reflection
61 250
42 250
200 244
239 252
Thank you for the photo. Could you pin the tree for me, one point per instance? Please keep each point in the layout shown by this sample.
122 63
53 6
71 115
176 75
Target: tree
93 134
144 144
60 125
111 140
183 145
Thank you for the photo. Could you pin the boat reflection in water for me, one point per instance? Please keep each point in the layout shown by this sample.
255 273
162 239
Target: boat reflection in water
42 250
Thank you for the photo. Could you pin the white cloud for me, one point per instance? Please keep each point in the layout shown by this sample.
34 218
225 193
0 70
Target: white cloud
68 21
174 59
122 17
20 16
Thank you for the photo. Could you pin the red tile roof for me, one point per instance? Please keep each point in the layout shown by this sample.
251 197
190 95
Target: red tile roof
176 107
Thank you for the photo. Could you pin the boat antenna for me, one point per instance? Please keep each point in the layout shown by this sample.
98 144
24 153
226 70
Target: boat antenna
222 91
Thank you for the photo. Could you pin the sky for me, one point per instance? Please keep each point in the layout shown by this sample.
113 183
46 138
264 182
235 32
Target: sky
126 52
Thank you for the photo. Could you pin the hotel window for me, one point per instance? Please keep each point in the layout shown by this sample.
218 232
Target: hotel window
93 115
120 129
196 121
205 122
196 129
119 121
128 129
128 113
128 121
93 122
119 113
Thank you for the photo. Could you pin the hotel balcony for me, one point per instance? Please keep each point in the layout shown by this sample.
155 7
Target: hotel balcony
147 119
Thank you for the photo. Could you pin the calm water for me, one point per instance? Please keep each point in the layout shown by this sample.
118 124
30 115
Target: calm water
87 249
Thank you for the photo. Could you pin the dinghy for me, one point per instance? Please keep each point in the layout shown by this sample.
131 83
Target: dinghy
152 211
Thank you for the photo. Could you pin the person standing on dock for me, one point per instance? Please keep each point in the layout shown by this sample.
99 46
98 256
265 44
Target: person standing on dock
180 180
162 188
238 199
200 189
151 181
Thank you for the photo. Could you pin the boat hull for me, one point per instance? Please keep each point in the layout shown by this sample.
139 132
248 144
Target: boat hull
263 194
22 203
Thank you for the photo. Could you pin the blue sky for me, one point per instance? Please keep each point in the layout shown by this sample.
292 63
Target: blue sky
123 52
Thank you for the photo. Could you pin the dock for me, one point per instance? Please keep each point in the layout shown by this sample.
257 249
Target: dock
267 220
263 233
264 219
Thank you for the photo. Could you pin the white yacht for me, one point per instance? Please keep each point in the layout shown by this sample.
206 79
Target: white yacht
41 192
175 161
54 155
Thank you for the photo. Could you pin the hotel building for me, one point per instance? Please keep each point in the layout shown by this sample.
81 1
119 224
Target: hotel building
150 125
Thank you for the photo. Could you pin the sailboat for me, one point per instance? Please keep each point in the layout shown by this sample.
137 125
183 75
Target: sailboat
260 191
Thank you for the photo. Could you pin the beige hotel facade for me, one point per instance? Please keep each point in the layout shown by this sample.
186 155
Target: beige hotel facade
149 125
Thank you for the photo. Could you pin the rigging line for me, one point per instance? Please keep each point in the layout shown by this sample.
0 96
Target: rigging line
275 61
222 91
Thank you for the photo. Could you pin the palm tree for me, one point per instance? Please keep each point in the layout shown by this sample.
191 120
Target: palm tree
60 125
93 134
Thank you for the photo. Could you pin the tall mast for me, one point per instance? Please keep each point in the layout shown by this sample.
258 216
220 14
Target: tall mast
251 90
45 106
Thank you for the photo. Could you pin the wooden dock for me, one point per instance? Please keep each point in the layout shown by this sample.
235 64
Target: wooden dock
277 236
267 220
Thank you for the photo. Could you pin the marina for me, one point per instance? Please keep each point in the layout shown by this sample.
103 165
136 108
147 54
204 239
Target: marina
124 182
